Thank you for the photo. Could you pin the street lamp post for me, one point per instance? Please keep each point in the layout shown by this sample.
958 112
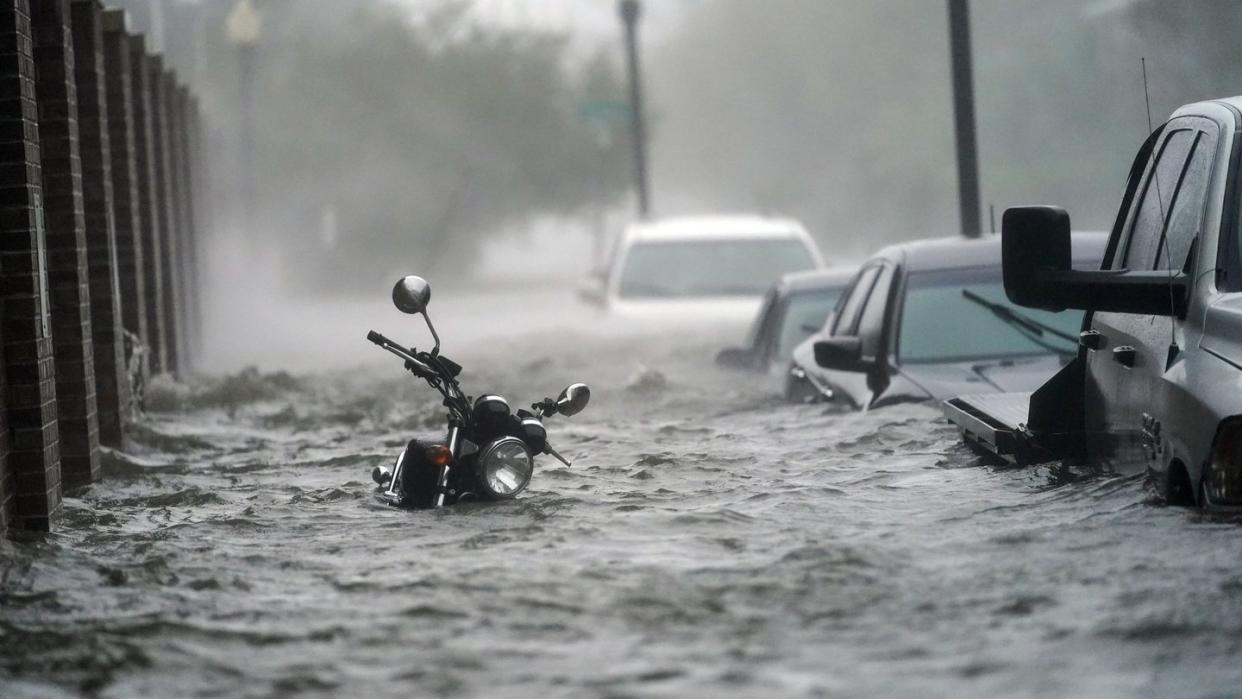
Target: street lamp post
244 27
630 12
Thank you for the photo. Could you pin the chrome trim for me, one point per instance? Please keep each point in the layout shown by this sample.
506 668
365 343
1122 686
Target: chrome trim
453 444
493 446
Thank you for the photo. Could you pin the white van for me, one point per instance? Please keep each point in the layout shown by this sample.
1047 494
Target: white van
712 269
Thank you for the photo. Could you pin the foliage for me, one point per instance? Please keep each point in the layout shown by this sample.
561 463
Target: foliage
421 137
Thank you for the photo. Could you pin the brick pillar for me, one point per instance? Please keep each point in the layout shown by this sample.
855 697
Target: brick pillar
144 147
126 206
31 472
200 221
175 95
8 480
165 209
111 382
189 178
66 242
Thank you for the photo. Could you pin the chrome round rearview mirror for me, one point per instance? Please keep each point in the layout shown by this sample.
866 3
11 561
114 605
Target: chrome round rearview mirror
573 399
411 295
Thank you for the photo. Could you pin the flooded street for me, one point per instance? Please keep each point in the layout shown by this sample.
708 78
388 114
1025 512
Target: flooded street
708 541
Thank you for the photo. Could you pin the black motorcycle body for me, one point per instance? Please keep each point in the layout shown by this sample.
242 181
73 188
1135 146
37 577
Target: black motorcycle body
488 453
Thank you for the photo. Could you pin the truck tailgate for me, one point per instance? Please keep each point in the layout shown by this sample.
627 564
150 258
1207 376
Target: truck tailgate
995 423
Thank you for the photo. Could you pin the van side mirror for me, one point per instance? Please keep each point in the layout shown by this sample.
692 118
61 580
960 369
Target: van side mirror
1036 260
841 353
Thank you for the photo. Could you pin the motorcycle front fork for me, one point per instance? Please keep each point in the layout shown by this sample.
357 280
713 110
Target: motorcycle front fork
454 437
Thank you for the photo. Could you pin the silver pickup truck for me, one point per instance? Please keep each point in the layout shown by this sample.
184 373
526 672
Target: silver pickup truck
1157 383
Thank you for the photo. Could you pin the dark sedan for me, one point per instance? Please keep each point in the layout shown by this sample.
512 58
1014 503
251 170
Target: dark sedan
793 309
929 320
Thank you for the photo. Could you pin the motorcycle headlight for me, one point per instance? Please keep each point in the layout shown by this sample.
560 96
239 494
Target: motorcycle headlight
1222 483
505 467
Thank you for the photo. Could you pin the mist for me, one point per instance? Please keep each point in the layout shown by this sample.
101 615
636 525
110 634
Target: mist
455 139
840 114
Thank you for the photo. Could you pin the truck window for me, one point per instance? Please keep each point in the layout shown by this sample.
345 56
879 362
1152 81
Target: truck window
847 316
871 323
1158 192
1186 216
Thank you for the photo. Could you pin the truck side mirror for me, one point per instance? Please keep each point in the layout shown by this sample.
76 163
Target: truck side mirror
841 353
1034 239
1036 260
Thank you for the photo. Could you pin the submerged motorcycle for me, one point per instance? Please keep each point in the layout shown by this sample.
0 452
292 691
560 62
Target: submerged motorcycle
489 451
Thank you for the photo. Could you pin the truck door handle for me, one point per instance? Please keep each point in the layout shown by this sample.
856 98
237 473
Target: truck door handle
1091 339
1124 355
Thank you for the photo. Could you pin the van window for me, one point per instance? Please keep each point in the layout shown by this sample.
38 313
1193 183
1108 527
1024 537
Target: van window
730 267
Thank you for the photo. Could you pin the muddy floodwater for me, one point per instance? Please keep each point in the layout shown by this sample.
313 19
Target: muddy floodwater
708 541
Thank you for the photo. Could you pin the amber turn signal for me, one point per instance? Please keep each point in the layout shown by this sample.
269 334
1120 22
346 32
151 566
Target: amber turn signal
440 455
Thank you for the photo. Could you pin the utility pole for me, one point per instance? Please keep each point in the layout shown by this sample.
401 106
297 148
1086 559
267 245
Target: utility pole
630 12
244 27
964 118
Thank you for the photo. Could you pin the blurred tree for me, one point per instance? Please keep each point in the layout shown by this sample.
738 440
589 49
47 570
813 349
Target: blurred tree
418 138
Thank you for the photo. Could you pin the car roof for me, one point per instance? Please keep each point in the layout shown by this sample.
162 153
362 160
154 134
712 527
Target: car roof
715 228
817 279
960 253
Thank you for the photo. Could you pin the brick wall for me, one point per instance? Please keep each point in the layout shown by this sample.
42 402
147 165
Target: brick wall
165 209
151 233
126 207
30 473
66 242
111 383
178 214
190 228
8 480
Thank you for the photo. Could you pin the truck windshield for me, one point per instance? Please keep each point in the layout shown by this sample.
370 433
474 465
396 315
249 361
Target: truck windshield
709 267
941 324
804 316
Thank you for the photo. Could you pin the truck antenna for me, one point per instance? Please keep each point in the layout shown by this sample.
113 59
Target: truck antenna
1164 241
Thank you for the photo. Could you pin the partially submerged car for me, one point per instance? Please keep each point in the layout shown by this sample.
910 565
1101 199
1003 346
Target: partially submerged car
711 269
793 309
928 320
1156 384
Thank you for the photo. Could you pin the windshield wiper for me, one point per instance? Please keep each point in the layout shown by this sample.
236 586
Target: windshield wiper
1018 321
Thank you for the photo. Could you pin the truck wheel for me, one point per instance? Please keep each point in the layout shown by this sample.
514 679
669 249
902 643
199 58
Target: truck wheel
1178 492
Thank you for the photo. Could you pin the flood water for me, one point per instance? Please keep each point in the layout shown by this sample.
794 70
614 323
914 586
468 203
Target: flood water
708 541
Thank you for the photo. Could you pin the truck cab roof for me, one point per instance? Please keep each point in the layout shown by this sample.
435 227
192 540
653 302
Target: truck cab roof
959 253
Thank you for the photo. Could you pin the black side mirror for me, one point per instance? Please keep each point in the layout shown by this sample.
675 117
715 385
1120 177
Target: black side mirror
1035 249
1034 239
735 358
573 399
842 353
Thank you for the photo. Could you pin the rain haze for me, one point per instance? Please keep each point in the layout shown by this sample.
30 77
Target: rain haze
766 235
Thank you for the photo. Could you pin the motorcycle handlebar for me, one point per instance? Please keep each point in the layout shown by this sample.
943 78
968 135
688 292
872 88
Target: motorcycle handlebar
411 362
